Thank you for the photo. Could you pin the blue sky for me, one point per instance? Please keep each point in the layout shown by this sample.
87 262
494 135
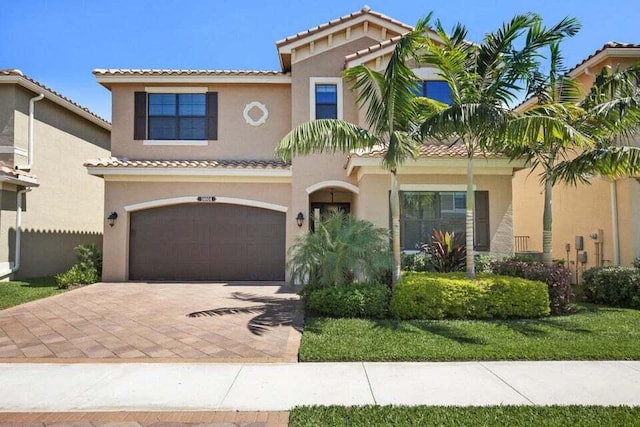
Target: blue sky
59 42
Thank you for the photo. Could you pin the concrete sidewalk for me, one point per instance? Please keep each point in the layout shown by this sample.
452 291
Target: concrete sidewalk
276 387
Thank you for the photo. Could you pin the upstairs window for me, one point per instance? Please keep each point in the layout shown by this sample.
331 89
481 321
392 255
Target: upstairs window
176 116
325 98
434 89
326 101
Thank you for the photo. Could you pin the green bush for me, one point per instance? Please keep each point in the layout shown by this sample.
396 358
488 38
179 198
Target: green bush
341 249
453 296
415 262
556 277
88 269
484 263
616 286
636 263
357 300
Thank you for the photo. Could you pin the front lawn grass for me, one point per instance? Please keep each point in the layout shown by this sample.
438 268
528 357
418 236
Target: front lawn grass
515 416
593 333
19 292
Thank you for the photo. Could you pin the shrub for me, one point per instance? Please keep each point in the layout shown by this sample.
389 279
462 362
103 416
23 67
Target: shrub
447 252
77 276
88 269
484 263
617 286
341 249
359 300
556 277
636 263
416 262
441 296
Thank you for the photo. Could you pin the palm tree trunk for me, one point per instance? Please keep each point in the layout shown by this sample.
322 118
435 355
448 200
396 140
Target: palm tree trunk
547 219
395 226
471 202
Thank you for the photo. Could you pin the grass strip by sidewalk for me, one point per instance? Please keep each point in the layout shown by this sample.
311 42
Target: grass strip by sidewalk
594 333
19 292
513 416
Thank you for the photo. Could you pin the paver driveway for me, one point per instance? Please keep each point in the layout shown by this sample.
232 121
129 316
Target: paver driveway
156 322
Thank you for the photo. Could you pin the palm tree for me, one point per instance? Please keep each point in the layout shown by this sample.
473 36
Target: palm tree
484 79
391 119
570 137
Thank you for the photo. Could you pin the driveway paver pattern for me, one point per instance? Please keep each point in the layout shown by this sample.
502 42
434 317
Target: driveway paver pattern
218 322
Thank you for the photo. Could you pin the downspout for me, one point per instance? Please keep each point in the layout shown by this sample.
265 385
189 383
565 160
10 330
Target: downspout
614 222
16 262
32 102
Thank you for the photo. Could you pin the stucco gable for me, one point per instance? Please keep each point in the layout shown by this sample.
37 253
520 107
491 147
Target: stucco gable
345 29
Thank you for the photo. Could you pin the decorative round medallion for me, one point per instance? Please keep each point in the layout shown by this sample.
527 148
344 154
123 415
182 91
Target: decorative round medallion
261 107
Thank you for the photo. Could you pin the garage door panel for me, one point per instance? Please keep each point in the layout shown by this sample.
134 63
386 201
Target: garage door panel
212 242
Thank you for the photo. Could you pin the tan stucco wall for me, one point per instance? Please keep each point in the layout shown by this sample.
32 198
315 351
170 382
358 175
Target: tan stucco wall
236 138
66 209
577 211
121 194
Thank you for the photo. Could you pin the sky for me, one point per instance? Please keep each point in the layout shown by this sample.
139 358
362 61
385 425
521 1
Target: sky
59 42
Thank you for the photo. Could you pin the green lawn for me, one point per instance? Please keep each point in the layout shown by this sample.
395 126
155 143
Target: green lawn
593 333
513 416
14 293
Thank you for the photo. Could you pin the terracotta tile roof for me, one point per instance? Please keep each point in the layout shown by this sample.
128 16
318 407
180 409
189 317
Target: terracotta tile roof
433 150
366 10
20 74
166 72
114 162
609 45
15 173
374 48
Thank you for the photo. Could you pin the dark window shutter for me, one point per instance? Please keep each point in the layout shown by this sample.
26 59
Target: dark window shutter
140 115
482 238
212 116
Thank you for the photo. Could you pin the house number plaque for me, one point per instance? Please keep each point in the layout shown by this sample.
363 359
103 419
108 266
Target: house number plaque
206 198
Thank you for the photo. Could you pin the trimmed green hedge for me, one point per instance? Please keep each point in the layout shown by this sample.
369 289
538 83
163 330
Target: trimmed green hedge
617 286
453 296
356 300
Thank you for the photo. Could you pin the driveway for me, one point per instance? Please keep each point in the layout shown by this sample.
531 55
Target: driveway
164 322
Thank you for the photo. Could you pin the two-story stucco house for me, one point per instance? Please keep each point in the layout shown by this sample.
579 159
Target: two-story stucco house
199 194
605 213
49 204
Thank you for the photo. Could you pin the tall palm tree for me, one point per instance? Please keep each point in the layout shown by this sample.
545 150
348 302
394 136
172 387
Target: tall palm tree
484 79
570 137
391 120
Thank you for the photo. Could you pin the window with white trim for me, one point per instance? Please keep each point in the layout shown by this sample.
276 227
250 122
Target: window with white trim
177 116
181 117
325 98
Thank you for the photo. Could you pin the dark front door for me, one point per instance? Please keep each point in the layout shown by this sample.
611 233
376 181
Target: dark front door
208 242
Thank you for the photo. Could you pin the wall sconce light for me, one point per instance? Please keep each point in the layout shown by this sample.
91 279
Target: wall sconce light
300 219
111 219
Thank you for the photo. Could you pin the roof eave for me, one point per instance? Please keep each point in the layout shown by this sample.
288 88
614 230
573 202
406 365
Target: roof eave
108 80
603 54
27 84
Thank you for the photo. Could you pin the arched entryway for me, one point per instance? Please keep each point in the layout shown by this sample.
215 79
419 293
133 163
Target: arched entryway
330 196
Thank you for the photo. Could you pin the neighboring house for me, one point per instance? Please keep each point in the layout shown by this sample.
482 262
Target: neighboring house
61 205
606 213
197 190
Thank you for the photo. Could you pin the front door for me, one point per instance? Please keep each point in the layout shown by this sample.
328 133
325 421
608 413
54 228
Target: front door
320 210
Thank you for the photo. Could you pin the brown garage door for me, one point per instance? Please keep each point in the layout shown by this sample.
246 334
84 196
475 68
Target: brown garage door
209 242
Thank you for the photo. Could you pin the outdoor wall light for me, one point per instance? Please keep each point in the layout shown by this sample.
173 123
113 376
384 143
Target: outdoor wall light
111 219
300 219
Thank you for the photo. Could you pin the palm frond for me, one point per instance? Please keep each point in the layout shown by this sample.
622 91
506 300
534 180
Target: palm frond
325 136
610 162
